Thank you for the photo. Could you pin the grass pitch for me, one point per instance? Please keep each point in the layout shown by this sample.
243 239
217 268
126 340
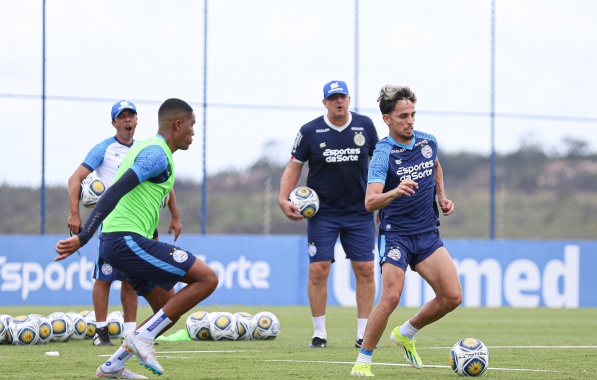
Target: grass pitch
523 344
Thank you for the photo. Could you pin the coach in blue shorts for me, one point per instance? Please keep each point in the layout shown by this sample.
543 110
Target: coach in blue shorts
338 146
130 211
403 182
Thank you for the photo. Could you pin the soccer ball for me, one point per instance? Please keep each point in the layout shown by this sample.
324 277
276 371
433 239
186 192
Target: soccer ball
23 330
43 327
62 326
222 326
89 316
92 189
79 325
115 324
306 199
244 325
469 357
266 326
4 333
198 326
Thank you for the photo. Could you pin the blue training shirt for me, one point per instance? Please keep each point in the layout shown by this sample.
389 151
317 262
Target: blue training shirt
392 163
338 162
105 158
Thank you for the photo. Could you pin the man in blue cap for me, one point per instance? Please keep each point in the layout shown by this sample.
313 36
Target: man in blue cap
338 146
104 159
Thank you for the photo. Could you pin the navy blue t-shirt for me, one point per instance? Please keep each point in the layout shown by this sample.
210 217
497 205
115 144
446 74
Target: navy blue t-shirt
392 163
338 162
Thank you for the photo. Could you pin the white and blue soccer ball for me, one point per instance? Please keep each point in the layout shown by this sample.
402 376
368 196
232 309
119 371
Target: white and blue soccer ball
4 333
62 326
266 326
198 325
469 357
222 326
23 331
79 325
89 316
306 199
244 325
92 188
43 327
115 323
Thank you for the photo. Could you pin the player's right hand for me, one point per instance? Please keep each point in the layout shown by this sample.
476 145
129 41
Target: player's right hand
406 187
291 210
67 247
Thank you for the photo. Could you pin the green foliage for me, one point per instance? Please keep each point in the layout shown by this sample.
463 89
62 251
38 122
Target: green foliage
537 196
521 342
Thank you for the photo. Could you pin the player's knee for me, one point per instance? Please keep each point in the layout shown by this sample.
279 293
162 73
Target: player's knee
210 280
451 301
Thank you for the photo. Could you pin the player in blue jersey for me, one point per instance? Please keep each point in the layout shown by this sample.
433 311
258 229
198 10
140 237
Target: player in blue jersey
403 184
104 159
129 214
338 146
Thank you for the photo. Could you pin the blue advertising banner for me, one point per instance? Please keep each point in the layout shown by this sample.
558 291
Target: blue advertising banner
273 270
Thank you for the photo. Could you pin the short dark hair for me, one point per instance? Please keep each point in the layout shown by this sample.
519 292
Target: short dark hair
390 95
174 105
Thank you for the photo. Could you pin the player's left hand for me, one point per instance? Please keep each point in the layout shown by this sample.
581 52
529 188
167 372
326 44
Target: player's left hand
67 247
447 206
175 225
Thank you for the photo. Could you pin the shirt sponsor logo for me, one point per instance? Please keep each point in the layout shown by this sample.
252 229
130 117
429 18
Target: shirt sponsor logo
322 130
342 155
357 128
415 172
180 256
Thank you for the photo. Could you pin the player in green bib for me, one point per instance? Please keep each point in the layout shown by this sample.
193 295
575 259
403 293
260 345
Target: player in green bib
129 211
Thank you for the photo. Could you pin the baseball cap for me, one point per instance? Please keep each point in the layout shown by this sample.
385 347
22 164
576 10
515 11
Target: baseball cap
334 87
121 106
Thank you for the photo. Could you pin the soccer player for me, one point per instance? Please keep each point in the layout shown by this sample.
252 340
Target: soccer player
403 184
129 213
104 159
338 146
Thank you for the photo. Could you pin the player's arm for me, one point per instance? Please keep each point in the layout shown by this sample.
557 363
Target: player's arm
289 180
445 204
74 191
376 199
102 209
175 223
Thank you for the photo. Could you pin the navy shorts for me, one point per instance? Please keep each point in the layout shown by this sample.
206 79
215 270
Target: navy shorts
357 236
146 263
404 250
103 270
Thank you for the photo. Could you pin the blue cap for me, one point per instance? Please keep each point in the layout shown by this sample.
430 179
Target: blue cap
334 87
121 106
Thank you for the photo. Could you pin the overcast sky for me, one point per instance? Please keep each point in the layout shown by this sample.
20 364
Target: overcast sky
267 63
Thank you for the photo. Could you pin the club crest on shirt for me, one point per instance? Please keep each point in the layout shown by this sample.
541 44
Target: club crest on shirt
180 256
388 227
394 253
312 249
426 151
359 139
107 269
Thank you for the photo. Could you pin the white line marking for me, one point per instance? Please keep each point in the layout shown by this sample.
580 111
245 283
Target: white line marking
408 365
161 353
510 347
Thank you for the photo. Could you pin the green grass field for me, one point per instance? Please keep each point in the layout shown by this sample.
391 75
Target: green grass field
523 344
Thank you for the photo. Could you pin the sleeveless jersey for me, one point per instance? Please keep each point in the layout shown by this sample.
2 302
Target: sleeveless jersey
138 211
